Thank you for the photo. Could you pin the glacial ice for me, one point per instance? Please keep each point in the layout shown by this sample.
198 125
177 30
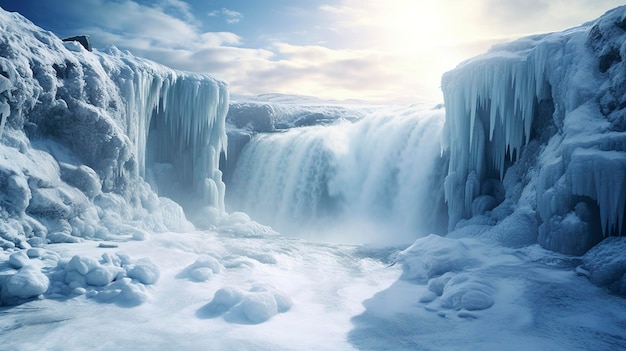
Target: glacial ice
552 106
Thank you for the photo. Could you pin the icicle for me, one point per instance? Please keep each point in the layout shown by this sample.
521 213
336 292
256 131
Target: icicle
190 111
505 87
601 175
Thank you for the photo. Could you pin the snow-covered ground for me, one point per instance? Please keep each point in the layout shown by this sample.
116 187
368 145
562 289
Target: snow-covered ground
244 288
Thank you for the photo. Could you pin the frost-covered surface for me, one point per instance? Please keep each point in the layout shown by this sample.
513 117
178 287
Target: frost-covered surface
605 265
268 292
542 120
82 132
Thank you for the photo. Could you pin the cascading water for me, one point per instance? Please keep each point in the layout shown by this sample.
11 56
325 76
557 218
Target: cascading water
375 180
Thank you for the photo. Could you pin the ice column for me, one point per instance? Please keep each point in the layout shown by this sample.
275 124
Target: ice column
183 115
490 103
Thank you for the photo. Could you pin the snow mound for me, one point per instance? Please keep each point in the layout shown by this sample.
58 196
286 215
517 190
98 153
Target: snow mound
465 291
113 278
255 306
433 256
455 272
24 275
27 282
202 269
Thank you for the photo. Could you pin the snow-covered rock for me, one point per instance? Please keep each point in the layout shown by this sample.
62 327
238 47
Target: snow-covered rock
548 112
27 282
257 305
605 264
83 133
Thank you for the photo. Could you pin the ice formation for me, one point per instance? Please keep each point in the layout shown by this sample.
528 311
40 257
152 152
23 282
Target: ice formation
90 138
545 117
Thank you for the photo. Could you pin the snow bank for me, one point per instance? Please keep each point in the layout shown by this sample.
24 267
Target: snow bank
456 273
90 140
543 117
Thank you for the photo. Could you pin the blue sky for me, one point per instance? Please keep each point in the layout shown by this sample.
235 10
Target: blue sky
378 50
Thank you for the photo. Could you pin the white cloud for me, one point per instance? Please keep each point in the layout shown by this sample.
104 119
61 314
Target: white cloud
391 50
230 16
179 7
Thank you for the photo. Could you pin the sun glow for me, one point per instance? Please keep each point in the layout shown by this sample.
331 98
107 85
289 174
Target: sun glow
421 39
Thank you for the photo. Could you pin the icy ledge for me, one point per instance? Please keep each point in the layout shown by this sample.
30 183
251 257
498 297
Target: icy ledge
536 134
92 141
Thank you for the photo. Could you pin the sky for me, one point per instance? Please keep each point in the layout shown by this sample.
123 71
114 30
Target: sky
374 50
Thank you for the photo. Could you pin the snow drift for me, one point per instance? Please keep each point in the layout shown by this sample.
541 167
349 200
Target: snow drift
90 138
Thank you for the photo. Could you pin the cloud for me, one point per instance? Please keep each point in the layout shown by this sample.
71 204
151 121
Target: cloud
231 17
391 50
168 33
179 9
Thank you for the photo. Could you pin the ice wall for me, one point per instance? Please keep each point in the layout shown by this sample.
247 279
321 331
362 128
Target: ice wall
83 131
375 179
544 119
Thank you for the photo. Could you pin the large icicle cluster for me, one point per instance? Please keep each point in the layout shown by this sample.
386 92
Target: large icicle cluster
83 131
548 113
176 123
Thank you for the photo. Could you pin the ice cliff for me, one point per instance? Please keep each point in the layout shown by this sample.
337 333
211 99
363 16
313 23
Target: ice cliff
536 135
92 142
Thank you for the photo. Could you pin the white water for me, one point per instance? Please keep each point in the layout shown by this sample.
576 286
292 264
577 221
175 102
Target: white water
375 180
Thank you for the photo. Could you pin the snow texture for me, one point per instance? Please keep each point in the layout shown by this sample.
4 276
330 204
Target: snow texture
605 265
552 106
255 306
93 142
113 278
